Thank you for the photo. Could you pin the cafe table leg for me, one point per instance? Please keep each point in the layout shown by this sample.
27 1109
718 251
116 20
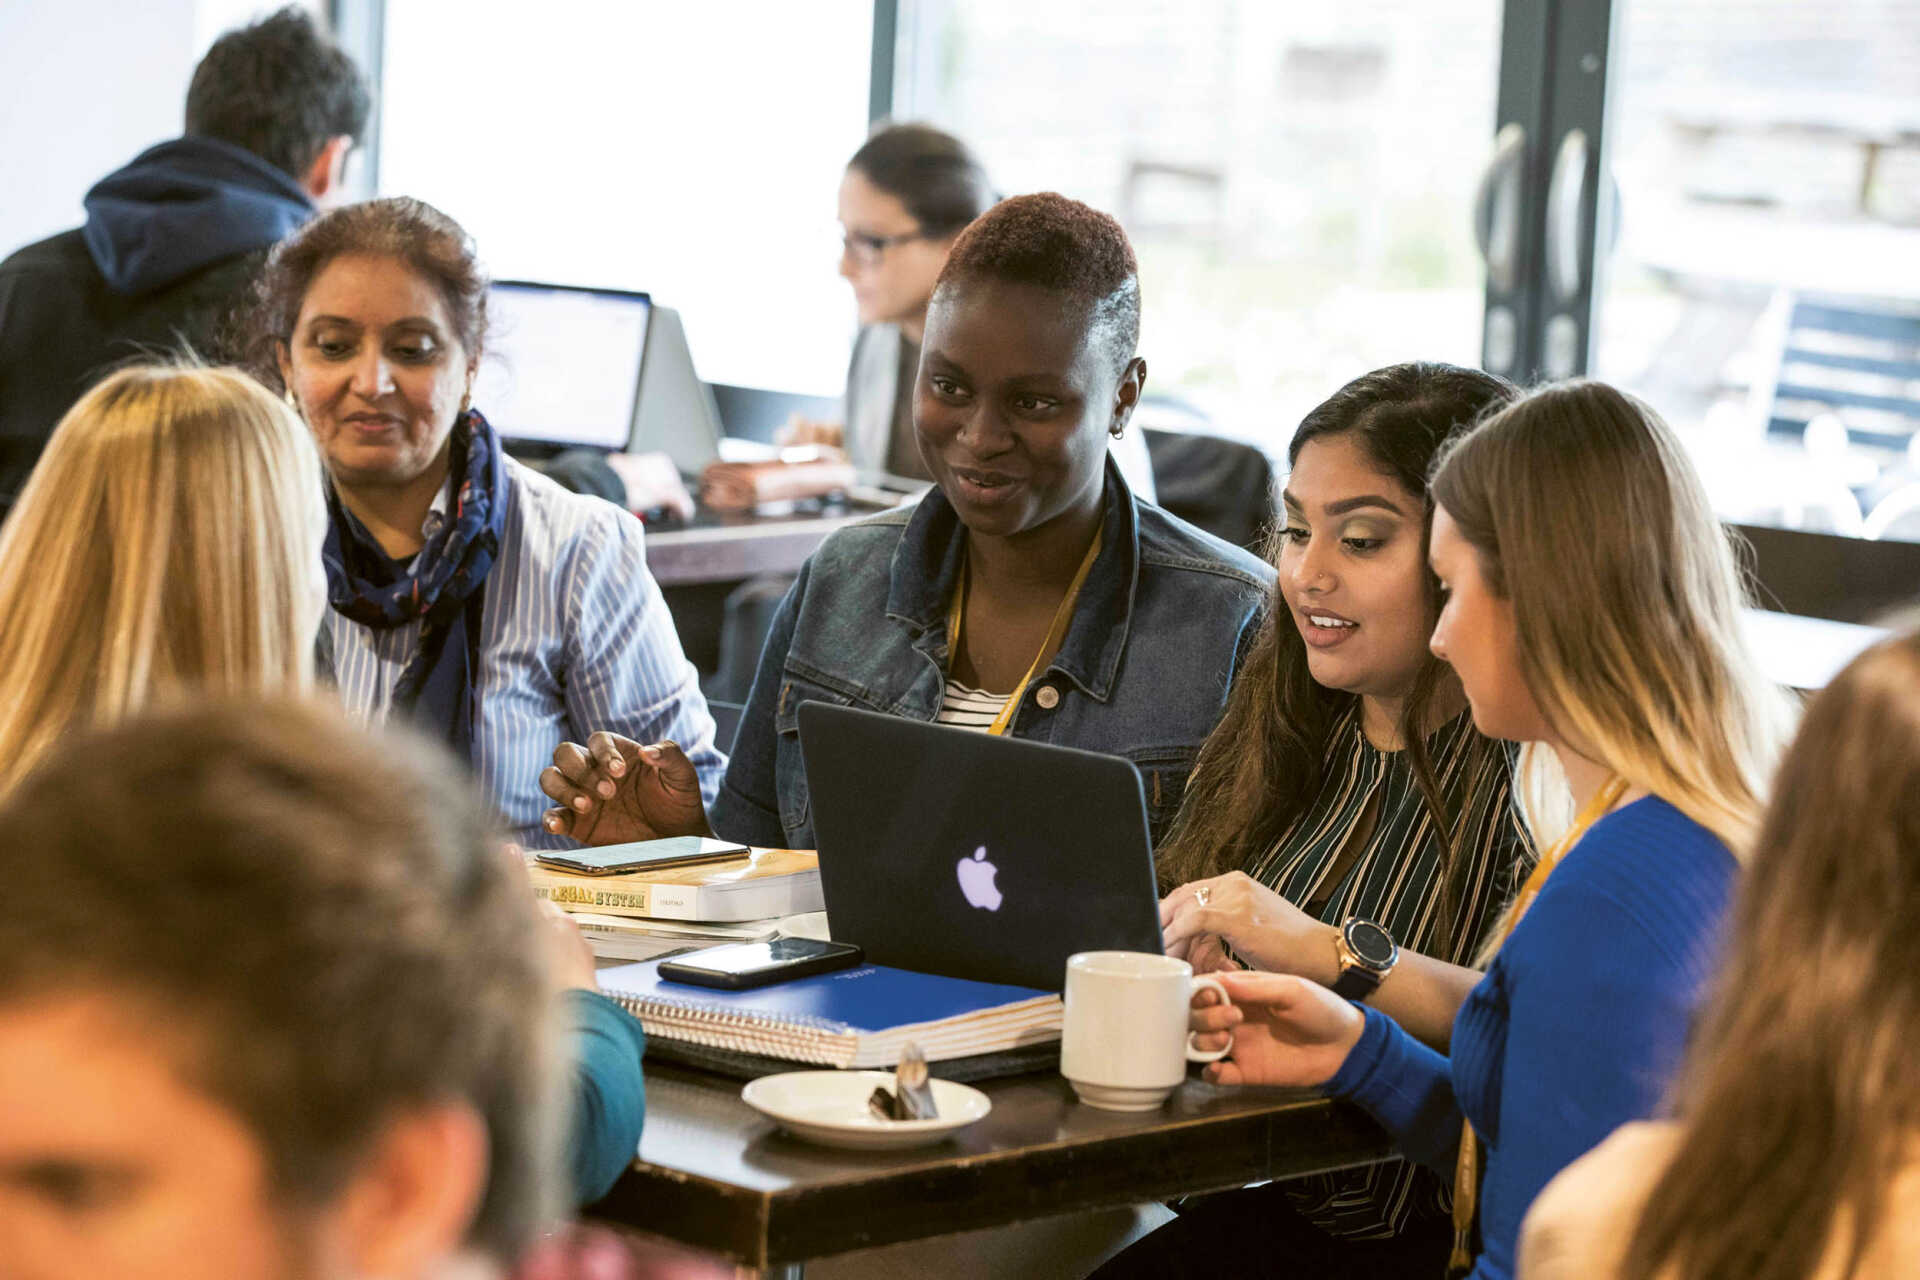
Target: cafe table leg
786 1271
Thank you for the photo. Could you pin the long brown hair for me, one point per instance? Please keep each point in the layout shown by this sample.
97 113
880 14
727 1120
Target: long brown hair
1262 765
1580 493
1801 1091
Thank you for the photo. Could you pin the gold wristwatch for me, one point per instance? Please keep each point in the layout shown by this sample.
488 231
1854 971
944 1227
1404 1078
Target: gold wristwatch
1366 954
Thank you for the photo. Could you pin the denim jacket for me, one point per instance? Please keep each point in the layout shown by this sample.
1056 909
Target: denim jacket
1157 633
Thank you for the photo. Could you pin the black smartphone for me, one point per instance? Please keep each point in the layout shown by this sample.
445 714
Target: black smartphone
740 965
641 855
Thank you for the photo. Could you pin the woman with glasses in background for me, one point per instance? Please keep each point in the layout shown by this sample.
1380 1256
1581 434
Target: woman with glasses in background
908 193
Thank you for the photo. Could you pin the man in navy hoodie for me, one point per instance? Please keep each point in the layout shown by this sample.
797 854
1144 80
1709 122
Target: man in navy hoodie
171 241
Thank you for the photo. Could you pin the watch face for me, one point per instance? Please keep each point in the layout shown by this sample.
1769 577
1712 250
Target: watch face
1371 943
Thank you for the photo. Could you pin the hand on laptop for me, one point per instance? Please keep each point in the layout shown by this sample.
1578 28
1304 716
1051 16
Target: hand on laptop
613 790
1263 928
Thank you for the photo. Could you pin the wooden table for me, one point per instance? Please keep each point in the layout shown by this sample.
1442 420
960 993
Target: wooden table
715 1175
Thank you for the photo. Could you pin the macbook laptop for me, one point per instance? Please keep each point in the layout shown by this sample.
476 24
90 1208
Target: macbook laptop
955 852
563 367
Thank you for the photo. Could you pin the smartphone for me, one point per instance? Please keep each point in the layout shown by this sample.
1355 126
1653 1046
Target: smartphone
740 965
642 855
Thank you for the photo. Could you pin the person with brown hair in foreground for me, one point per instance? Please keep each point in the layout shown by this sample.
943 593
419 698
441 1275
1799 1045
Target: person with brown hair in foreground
280 1007
1793 1153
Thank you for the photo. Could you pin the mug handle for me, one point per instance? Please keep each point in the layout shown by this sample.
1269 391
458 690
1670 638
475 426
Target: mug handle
1204 1055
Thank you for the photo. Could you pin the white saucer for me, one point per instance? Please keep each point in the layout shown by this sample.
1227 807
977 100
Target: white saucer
830 1107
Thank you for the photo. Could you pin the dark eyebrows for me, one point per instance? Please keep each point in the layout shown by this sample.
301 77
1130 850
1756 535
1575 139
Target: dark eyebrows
1052 384
1345 505
346 322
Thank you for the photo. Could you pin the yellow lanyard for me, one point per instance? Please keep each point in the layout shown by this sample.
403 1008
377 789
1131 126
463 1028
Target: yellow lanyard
957 611
1466 1170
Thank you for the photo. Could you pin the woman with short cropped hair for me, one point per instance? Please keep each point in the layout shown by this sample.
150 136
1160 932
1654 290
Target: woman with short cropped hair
1028 593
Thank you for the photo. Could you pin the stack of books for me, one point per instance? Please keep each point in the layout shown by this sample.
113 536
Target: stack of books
645 914
858 1017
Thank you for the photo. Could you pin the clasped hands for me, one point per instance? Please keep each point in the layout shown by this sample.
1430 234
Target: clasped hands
1287 1027
613 789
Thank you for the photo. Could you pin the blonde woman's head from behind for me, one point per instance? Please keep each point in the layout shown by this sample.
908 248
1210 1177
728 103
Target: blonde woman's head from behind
168 543
1591 535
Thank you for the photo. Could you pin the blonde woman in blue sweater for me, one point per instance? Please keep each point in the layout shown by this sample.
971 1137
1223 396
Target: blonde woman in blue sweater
1592 612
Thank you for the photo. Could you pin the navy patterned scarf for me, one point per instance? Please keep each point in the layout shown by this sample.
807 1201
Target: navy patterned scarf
444 590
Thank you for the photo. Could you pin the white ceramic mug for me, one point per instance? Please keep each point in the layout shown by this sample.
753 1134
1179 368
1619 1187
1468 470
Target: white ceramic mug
1125 1045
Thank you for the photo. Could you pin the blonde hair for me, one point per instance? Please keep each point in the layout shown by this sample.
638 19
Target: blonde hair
165 544
1587 515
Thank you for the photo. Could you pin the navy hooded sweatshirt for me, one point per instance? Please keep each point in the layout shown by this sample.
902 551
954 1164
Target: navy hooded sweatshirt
168 251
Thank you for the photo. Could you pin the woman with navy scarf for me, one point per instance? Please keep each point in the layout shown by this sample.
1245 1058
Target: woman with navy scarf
469 594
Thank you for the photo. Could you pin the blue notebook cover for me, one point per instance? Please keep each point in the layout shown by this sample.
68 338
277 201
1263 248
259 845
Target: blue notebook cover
861 1001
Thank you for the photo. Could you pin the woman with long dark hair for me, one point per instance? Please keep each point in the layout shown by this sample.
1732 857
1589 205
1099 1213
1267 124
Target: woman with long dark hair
1592 610
1792 1153
1345 789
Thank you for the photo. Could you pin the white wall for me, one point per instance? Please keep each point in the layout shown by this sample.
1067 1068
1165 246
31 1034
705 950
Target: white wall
86 85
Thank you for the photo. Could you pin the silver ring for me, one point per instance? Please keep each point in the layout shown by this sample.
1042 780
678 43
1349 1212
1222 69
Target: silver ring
1203 895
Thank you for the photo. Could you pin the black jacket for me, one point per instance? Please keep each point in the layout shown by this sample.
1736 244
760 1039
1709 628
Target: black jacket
168 251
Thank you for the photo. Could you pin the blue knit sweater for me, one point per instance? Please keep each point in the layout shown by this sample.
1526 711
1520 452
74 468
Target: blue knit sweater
609 1100
1577 1025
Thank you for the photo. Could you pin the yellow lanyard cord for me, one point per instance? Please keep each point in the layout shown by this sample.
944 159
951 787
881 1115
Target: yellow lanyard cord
1062 617
1466 1170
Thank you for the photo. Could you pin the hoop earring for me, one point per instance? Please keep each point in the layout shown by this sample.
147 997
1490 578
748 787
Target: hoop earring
1117 432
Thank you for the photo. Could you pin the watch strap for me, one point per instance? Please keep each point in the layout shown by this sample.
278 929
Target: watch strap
1356 982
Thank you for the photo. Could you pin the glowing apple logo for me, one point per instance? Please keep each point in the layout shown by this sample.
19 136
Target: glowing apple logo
976 880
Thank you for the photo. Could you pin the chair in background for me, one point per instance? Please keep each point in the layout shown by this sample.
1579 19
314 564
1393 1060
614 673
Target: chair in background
726 722
746 617
1223 486
1858 358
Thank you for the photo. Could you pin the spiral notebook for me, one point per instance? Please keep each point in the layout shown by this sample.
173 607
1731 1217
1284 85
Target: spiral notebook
858 1017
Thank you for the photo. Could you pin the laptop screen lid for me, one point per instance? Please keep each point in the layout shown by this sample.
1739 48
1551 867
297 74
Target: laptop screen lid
563 363
955 852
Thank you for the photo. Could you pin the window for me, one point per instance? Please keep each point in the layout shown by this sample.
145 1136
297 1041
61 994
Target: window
1765 289
1297 179
692 151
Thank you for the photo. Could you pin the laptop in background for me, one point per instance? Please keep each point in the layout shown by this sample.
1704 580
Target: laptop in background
959 853
676 414
563 367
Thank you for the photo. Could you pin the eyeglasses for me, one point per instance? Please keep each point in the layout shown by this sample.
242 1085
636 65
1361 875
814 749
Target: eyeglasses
867 249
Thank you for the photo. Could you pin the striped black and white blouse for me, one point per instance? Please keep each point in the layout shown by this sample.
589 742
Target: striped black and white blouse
967 708
574 636
1395 880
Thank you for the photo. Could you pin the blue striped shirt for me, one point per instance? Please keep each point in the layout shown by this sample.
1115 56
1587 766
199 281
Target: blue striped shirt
574 636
